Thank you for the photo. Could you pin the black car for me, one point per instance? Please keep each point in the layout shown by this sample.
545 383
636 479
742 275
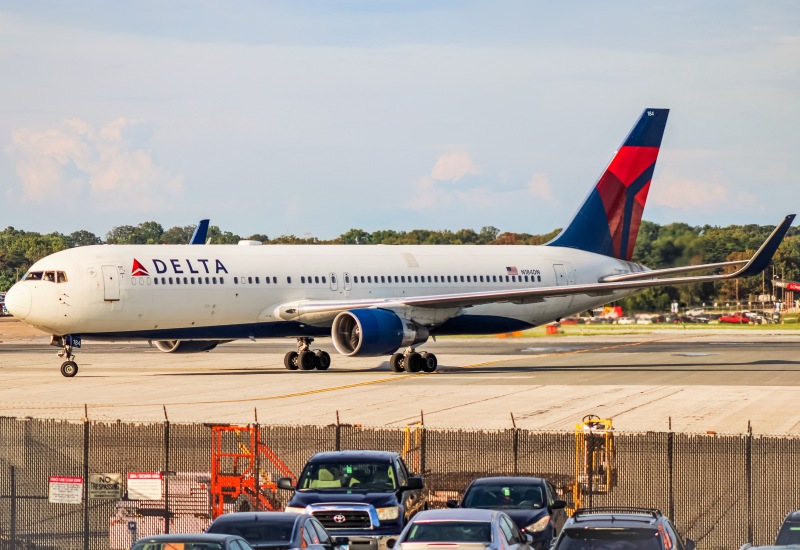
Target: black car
615 527
192 542
530 502
790 530
276 530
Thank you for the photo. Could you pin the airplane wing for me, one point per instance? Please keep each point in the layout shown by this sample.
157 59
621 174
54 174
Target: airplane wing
605 286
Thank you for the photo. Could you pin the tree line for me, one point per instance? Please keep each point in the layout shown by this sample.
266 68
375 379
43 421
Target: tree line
657 246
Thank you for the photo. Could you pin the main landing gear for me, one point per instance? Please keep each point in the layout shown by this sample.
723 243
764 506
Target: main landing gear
412 361
69 368
306 359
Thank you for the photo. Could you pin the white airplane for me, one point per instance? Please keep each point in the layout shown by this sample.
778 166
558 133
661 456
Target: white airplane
372 300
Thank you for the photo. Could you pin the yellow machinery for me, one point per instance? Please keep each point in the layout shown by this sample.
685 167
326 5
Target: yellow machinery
595 472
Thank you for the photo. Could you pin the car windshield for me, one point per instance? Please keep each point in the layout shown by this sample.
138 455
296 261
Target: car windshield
255 531
177 545
368 476
505 496
450 531
610 539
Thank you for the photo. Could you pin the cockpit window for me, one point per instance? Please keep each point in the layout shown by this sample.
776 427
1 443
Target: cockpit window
51 276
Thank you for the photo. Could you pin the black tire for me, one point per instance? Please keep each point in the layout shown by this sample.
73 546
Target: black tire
429 362
413 362
306 360
69 369
396 362
290 360
323 360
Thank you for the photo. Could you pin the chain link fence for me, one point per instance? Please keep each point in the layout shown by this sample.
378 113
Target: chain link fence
721 490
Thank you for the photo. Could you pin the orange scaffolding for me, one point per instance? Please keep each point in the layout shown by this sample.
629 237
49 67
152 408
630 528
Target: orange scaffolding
238 475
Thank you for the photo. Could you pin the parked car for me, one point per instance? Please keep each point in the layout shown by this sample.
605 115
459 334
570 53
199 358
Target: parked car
277 530
192 542
613 528
366 496
530 502
737 318
790 530
461 529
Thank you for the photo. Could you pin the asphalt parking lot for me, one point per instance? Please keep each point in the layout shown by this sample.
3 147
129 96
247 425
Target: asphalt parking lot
695 381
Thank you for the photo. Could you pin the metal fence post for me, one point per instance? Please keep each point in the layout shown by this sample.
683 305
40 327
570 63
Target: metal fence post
338 433
515 444
422 444
85 477
166 471
257 451
13 519
670 466
749 481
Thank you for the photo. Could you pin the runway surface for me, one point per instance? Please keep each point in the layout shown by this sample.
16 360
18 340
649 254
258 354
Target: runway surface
698 381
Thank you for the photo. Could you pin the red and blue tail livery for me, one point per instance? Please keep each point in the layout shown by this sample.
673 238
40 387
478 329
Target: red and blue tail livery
608 220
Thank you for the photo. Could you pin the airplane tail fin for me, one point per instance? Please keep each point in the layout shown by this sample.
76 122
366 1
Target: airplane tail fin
608 220
200 232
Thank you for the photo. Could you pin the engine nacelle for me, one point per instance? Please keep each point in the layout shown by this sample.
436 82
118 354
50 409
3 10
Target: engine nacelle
185 346
372 332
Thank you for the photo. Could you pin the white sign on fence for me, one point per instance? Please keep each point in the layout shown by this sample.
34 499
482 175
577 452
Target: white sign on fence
65 490
144 485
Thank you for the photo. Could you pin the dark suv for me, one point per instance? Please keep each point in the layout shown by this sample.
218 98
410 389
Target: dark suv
617 527
367 496
790 530
530 502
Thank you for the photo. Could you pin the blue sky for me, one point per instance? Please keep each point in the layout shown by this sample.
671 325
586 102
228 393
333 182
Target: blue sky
311 118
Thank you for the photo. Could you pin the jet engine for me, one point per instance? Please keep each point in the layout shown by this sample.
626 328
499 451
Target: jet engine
372 332
185 346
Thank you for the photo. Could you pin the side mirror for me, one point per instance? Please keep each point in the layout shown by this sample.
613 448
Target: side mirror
529 537
452 503
558 504
390 543
414 483
285 483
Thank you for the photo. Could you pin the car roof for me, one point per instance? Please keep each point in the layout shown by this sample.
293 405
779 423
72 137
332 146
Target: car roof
508 480
193 537
464 514
365 456
793 517
620 516
264 517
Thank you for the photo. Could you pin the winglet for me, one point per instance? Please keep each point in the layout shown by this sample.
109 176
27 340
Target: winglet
764 254
199 236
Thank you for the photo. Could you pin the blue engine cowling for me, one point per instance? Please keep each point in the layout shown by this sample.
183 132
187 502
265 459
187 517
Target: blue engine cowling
371 332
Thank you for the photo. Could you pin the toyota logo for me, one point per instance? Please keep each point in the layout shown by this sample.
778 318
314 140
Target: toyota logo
339 518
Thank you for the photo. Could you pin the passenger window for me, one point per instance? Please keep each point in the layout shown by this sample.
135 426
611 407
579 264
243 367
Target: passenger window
435 278
324 280
214 280
275 280
170 280
508 533
177 280
462 278
186 280
288 280
222 280
207 279
303 279
256 280
383 280
316 280
236 280
250 280
155 280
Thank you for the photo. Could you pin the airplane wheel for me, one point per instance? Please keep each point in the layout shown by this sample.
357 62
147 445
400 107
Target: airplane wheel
290 360
69 369
414 362
396 362
429 362
323 360
306 360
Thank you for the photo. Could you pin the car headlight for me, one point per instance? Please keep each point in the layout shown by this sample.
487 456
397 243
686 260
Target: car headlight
296 509
538 526
391 512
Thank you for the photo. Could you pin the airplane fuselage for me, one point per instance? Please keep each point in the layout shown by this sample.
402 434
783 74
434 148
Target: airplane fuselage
236 291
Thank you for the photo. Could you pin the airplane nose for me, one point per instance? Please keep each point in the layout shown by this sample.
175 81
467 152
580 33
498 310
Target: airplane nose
18 301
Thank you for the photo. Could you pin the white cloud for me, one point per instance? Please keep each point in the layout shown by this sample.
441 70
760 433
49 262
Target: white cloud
453 167
540 187
688 194
110 166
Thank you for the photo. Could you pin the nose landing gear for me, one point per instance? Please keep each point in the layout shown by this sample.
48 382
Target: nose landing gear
69 368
